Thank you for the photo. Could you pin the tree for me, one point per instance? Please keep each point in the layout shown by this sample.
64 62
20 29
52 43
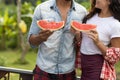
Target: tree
23 44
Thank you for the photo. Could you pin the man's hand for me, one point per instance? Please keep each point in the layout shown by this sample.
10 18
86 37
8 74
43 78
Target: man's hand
43 35
39 38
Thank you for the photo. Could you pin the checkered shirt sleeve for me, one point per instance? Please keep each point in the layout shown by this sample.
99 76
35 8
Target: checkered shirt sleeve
78 56
108 70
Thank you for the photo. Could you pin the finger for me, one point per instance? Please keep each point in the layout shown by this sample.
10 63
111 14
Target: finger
92 37
46 32
71 30
43 31
49 32
93 31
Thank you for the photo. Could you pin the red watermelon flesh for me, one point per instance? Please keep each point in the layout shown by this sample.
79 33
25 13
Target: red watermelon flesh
50 25
82 27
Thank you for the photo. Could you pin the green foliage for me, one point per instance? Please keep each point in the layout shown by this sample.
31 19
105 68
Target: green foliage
27 11
28 20
11 40
33 2
8 22
8 28
86 5
2 61
27 8
11 9
38 2
6 18
80 1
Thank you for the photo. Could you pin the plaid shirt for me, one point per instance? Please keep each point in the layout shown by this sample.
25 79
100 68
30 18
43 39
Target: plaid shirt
108 70
78 56
42 75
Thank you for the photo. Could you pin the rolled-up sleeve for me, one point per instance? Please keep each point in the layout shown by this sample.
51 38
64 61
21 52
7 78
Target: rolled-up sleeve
113 55
34 29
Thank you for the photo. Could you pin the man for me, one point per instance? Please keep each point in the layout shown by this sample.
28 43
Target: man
56 54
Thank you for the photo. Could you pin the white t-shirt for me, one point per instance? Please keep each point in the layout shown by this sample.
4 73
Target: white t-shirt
107 29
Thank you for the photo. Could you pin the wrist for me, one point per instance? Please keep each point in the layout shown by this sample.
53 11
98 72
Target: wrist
98 43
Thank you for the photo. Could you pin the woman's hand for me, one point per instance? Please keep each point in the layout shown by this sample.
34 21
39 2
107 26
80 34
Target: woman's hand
93 34
73 31
77 34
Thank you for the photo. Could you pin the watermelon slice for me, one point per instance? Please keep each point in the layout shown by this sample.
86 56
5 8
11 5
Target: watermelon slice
82 27
50 25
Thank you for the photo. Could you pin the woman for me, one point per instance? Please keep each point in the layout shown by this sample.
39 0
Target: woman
96 53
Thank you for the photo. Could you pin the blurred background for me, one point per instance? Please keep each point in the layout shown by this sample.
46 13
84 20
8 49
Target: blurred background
15 20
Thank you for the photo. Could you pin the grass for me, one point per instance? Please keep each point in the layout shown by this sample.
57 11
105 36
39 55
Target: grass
117 67
11 56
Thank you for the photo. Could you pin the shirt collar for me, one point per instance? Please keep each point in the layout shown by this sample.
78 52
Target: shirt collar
54 6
